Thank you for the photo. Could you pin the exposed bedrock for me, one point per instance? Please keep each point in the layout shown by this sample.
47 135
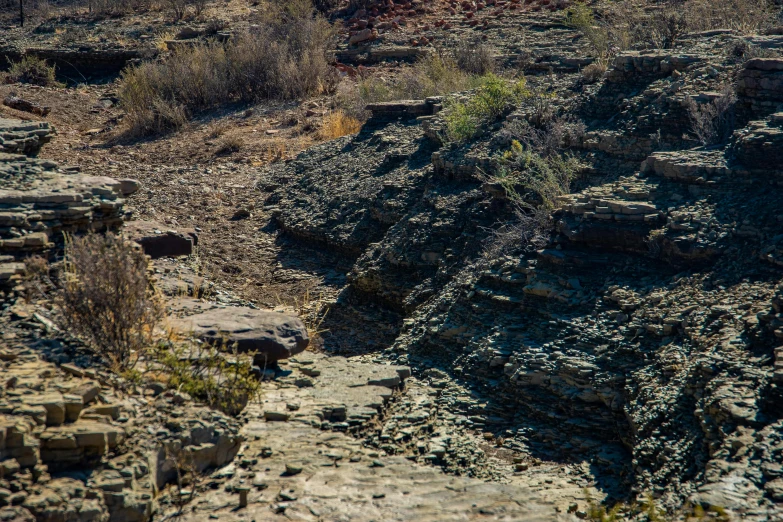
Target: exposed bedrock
641 339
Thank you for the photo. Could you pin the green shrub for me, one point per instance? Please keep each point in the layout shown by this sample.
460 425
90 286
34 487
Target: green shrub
530 178
580 16
491 99
461 123
31 69
224 381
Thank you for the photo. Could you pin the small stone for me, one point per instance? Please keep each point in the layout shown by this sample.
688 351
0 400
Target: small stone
292 468
276 416
286 496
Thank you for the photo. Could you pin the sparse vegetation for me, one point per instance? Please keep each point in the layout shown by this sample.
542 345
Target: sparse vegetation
285 57
649 511
106 298
33 70
230 144
188 476
433 75
491 99
617 26
743 50
337 124
582 18
530 177
595 71
475 58
547 138
532 173
217 375
712 121
529 226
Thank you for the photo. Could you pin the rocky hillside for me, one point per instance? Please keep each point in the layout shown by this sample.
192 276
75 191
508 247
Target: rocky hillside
642 338
473 342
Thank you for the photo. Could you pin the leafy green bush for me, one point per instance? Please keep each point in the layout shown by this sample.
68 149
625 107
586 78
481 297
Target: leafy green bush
580 16
31 69
491 99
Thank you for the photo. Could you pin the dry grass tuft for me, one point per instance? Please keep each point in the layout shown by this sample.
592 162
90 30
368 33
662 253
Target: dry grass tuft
338 124
433 75
475 58
617 26
230 144
594 72
161 39
284 56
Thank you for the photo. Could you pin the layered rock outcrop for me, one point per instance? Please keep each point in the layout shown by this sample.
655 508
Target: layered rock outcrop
75 445
642 337
39 201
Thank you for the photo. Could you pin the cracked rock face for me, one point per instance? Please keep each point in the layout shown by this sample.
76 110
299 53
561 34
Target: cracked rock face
299 460
39 201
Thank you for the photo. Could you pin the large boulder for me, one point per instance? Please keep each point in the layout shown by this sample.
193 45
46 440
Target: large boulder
272 335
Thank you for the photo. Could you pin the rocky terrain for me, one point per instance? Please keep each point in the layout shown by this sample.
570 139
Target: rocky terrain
441 368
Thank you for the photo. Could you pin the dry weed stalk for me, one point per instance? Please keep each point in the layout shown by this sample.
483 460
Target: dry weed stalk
187 474
712 122
312 310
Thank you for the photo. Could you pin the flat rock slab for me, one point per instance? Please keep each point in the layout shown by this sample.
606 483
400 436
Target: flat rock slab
331 390
302 470
272 335
24 137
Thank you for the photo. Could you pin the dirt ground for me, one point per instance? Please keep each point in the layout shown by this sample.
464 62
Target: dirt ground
187 180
